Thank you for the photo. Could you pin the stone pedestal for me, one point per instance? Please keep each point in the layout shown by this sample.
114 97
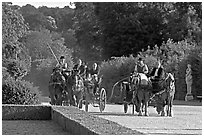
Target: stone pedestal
188 97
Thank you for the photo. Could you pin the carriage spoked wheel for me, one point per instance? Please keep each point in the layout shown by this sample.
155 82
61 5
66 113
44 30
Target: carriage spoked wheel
86 102
125 106
80 103
102 100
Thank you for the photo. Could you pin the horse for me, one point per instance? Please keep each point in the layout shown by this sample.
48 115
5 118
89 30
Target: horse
91 85
141 92
78 90
56 87
68 99
165 97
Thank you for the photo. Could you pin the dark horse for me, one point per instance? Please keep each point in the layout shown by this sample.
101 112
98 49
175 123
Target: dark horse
165 96
141 92
56 87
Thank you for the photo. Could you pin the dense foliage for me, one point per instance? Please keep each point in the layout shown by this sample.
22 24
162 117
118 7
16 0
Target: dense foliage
15 60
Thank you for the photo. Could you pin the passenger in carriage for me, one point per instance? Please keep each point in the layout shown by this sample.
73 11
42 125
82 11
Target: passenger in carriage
79 69
157 75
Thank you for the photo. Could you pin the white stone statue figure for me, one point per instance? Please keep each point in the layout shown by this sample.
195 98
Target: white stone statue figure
189 82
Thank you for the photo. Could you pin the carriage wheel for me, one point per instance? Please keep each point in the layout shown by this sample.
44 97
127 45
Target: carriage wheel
133 108
102 100
87 102
80 103
125 107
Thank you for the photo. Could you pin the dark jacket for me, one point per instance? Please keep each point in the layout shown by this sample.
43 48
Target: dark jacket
160 73
92 71
141 69
79 69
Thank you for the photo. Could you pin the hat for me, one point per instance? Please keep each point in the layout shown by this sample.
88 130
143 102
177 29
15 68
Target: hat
140 59
62 57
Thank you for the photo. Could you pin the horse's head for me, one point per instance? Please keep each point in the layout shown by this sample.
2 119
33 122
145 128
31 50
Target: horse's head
57 76
159 103
140 79
134 78
169 81
77 83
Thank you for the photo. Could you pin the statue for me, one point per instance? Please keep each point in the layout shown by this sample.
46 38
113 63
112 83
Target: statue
189 82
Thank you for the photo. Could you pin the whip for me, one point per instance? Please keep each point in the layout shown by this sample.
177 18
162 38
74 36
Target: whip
53 53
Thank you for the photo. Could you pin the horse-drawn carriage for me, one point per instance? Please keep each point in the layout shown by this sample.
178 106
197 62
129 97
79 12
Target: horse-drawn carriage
137 90
72 89
94 94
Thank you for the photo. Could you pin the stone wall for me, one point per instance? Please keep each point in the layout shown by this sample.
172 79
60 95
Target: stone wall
71 119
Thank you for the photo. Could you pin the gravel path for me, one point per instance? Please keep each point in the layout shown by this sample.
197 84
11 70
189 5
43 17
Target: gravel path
31 127
187 120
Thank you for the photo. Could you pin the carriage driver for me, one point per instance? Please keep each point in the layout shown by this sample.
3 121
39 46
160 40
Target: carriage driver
141 67
62 66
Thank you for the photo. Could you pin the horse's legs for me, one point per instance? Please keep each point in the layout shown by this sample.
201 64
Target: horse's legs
58 100
140 98
146 112
140 108
170 107
147 97
163 111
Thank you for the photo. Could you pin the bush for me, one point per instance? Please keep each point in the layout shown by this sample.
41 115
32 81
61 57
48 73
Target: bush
195 59
115 70
19 92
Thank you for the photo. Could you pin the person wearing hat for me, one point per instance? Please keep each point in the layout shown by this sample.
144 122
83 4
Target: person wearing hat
61 64
141 67
62 67
79 68
94 72
157 75
157 72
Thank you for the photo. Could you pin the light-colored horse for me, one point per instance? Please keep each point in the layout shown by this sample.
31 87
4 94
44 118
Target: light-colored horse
141 93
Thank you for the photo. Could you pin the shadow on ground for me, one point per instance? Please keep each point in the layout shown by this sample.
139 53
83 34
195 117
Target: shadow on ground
123 114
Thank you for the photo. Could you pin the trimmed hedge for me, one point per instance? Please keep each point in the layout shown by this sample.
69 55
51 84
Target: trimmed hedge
26 112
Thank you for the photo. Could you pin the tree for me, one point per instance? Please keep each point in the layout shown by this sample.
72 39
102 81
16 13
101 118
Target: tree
15 59
14 56
37 20
38 43
87 32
